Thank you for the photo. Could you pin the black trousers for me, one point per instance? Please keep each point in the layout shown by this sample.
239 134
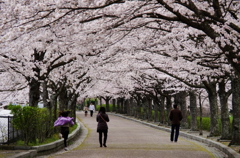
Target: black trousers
65 132
91 113
101 132
175 127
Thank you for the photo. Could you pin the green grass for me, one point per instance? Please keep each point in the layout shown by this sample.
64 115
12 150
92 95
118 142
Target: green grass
206 123
47 141
104 105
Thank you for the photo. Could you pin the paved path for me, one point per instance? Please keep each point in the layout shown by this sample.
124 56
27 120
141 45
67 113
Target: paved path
129 139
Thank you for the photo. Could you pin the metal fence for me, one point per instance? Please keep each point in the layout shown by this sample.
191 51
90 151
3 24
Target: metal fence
7 132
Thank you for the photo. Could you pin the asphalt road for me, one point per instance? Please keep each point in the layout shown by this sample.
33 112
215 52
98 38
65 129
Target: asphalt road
129 139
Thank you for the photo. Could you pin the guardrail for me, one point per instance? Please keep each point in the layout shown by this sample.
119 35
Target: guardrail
7 132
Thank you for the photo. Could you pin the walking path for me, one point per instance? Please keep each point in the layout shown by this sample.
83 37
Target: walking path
129 139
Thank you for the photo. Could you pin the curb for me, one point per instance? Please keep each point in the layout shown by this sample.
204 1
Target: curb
47 148
228 151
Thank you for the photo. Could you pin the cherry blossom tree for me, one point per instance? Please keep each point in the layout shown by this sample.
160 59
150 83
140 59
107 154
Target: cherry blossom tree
217 25
218 21
201 36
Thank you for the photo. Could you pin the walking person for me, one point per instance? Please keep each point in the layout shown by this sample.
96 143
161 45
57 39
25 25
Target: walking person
91 109
175 117
64 122
102 127
85 109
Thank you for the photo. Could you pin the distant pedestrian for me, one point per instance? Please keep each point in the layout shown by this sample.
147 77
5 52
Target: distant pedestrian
85 109
92 109
175 117
64 122
102 127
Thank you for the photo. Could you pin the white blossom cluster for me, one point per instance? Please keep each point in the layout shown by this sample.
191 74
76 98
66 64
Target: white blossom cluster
120 45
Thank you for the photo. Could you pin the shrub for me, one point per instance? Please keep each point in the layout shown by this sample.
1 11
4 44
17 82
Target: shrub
89 100
54 137
33 122
104 105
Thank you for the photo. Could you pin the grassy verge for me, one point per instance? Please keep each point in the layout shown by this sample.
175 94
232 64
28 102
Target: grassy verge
51 139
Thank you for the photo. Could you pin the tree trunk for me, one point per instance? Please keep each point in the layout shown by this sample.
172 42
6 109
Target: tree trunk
84 100
121 105
156 107
193 110
162 110
131 106
45 97
169 108
235 111
225 120
200 113
100 100
212 96
53 102
118 105
34 92
135 109
72 105
47 104
96 101
114 105
63 100
107 99
128 107
149 103
125 105
34 85
145 108
139 107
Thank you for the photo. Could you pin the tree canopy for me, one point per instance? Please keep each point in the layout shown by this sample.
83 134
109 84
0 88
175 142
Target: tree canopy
113 48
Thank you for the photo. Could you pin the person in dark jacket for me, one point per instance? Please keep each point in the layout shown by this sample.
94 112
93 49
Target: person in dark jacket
102 127
175 117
